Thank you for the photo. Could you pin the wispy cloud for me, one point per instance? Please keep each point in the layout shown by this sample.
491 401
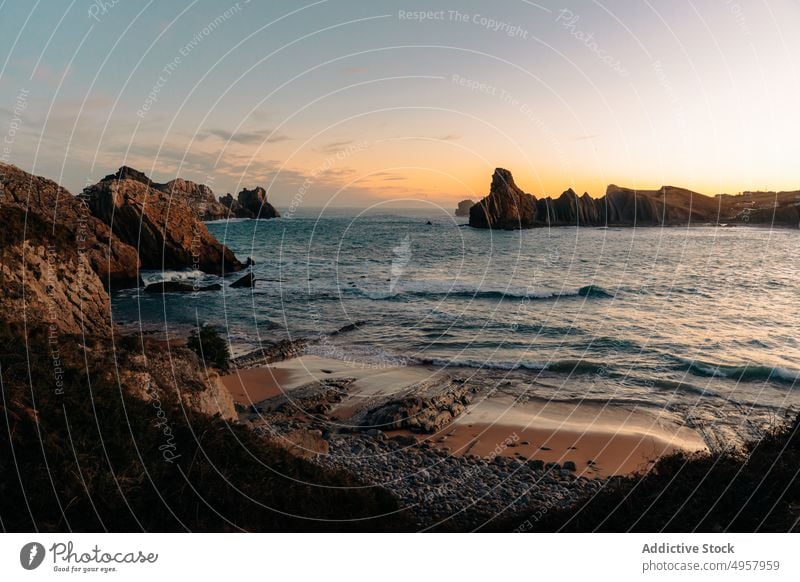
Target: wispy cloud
335 146
245 137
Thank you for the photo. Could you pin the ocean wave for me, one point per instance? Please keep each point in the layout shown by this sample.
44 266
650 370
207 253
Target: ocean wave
560 366
675 386
434 291
741 373
158 276
227 220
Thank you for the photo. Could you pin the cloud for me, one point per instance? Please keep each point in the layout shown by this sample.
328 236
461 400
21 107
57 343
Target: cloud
335 146
585 137
245 137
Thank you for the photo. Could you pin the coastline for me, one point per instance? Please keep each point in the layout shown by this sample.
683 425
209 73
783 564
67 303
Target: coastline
599 440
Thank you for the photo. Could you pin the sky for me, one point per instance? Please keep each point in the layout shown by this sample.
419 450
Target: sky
356 103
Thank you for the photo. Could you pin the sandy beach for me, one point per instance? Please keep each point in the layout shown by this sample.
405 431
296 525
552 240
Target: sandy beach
601 440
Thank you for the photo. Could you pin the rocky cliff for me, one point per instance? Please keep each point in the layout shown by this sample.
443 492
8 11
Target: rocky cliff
165 228
116 262
199 196
45 281
49 286
507 207
255 203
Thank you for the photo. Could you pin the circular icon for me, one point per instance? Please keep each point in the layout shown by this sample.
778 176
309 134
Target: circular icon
31 555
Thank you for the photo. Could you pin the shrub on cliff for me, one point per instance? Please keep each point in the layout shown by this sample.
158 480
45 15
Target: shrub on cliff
210 346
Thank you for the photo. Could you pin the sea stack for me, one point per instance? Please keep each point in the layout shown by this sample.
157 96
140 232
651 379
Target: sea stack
506 207
463 207
255 203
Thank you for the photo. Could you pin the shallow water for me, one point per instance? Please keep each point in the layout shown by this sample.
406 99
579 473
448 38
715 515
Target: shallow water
669 317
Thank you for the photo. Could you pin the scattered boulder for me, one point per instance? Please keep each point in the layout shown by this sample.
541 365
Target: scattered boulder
248 280
302 443
427 410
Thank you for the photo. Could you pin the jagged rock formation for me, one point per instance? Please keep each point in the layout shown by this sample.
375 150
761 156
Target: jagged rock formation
199 196
164 228
255 203
45 281
463 207
155 374
233 207
116 262
506 207
249 204
49 285
426 410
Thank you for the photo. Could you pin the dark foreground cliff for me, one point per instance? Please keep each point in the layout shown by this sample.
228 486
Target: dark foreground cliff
103 432
507 207
753 490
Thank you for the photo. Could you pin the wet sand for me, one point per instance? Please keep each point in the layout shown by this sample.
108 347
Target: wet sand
253 385
600 440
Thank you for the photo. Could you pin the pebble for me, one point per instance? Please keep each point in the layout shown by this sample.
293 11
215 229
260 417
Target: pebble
443 486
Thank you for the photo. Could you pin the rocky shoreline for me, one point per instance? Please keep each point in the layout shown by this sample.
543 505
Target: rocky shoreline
454 492
442 488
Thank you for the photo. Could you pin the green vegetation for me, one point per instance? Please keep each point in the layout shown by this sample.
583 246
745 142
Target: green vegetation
210 347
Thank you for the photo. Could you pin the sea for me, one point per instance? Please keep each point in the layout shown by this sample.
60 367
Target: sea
700 322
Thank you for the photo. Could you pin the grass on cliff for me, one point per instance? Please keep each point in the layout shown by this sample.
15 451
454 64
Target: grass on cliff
210 346
78 455
757 489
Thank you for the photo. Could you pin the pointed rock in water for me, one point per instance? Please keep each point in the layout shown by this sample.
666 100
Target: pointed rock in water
255 202
506 207
164 228
248 280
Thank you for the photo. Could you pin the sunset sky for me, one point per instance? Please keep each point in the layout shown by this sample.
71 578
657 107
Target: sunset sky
356 102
